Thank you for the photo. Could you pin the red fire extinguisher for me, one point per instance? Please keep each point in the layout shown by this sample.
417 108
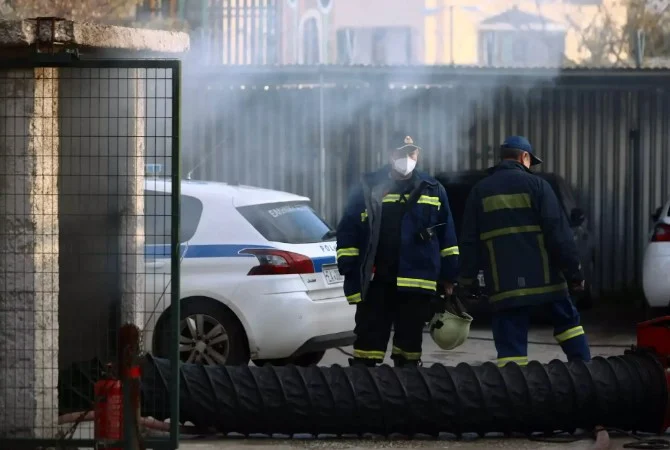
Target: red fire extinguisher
108 409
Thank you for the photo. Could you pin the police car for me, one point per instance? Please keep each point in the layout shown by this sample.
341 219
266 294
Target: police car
259 278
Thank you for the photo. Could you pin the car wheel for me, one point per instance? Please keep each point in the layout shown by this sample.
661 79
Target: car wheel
209 334
304 360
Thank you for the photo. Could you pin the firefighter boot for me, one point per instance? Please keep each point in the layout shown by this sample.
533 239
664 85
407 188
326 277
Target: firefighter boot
400 361
362 362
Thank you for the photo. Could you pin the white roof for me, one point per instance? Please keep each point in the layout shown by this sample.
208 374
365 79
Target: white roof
239 194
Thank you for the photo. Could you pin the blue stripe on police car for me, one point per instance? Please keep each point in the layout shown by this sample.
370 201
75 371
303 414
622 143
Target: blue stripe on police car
221 251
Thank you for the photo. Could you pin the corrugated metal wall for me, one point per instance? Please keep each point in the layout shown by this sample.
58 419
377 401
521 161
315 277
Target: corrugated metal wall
606 133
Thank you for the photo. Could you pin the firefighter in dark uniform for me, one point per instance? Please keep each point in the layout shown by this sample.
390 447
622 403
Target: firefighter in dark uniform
515 229
396 245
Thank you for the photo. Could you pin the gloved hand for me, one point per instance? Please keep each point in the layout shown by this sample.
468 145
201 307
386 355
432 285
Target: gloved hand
577 286
467 291
437 305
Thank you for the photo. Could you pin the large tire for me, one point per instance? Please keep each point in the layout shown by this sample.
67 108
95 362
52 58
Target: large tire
209 347
304 360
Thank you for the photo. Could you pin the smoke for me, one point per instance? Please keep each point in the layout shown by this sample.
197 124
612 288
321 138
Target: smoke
313 129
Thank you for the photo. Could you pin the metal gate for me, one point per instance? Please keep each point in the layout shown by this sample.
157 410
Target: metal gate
89 248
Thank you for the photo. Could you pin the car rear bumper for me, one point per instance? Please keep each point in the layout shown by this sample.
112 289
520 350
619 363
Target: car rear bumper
321 343
288 324
655 279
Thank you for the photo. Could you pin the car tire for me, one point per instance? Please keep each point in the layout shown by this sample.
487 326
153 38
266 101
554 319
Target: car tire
210 313
303 360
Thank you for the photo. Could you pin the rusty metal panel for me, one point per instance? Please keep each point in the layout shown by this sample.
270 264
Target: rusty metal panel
314 132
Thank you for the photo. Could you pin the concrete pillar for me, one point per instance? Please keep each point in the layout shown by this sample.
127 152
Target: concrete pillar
72 148
102 114
29 329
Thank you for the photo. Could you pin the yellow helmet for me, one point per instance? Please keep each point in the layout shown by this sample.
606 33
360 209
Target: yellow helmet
450 330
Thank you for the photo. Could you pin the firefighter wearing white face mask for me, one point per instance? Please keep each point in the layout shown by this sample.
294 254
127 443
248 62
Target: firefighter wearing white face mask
395 244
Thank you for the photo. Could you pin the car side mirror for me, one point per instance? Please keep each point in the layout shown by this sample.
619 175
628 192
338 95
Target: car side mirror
577 217
656 215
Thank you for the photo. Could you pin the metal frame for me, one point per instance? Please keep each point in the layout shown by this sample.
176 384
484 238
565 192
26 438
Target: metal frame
71 60
614 78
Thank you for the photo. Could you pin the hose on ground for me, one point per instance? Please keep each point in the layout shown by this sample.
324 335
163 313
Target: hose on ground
626 392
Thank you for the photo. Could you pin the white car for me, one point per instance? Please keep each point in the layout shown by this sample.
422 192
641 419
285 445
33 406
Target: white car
656 268
259 278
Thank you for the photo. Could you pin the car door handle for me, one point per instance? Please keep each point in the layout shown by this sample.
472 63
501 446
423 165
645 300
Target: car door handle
155 264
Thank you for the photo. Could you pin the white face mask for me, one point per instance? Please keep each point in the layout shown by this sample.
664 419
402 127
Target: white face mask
404 166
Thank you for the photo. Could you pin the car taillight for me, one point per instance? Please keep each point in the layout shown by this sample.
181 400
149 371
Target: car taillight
279 262
661 233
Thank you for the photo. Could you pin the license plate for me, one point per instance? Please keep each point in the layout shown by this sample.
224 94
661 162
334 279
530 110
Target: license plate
332 275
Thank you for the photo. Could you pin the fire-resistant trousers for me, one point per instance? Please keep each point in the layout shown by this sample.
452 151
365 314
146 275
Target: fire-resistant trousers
385 307
510 331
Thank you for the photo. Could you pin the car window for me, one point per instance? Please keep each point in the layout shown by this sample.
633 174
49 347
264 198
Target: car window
287 222
158 218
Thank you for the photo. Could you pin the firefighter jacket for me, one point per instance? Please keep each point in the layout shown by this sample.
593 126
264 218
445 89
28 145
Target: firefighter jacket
516 231
426 254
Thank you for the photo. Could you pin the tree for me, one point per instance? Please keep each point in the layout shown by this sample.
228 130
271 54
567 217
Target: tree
104 11
651 21
612 42
110 12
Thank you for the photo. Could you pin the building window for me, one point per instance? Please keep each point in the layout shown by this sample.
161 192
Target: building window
310 33
310 42
516 38
375 46
521 48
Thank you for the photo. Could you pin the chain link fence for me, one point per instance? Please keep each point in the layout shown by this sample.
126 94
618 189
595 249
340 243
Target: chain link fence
89 226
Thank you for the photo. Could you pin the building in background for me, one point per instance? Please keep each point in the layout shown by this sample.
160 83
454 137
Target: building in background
511 33
225 31
370 32
260 32
523 33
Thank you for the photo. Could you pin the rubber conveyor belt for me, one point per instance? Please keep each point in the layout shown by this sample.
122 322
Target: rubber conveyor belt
627 392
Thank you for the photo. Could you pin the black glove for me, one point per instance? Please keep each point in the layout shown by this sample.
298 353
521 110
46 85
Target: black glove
437 305
453 305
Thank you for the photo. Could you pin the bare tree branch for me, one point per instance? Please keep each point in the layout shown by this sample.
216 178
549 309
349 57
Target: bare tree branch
611 43
112 12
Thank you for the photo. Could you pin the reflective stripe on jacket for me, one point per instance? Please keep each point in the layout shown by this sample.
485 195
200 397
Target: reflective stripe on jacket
515 229
422 263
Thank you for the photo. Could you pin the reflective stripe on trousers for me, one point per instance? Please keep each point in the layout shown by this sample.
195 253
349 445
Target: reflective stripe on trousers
569 334
369 354
519 360
410 356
